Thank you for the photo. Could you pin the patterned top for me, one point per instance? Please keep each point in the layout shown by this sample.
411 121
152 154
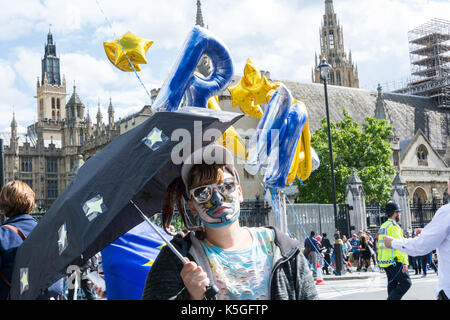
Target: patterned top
243 274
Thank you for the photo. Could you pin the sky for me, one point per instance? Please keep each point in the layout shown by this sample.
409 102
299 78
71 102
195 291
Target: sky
281 36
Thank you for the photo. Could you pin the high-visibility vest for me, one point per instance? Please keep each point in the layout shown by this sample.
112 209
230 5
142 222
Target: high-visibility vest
387 256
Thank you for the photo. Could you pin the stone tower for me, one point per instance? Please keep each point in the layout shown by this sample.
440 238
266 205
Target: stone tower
355 198
344 73
382 113
74 124
51 92
400 195
14 146
110 115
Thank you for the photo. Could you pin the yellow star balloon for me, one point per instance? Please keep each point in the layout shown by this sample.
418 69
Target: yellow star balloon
242 97
127 45
260 90
251 73
251 91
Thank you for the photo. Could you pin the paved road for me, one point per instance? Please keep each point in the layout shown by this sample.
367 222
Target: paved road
374 287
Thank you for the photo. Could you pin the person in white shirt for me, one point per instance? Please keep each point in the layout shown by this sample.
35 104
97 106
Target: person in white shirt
435 235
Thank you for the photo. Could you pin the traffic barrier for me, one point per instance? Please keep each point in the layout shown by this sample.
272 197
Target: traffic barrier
319 274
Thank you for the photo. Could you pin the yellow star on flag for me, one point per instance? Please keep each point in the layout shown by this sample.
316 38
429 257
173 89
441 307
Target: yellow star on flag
149 264
127 45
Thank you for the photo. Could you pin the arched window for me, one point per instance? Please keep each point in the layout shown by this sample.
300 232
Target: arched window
420 196
332 78
53 103
41 108
53 115
422 155
58 103
331 39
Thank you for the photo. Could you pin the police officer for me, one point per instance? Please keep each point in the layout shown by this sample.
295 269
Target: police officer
394 262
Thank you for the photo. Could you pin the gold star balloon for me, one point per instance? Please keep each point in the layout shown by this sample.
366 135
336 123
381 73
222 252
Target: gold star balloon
251 91
251 73
128 45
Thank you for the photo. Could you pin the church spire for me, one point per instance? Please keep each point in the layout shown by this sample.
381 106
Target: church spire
110 114
329 9
99 117
14 126
332 46
199 17
380 107
50 63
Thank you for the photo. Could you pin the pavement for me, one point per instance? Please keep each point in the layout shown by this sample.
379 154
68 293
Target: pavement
353 275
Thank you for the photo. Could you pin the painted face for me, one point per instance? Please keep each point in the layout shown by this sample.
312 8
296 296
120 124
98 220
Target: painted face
217 205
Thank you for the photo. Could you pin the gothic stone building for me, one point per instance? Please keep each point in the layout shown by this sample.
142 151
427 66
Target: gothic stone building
64 135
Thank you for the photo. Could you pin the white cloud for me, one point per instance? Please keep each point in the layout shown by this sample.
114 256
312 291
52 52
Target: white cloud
12 99
280 36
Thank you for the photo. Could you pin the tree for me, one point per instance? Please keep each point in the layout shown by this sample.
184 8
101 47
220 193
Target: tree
363 148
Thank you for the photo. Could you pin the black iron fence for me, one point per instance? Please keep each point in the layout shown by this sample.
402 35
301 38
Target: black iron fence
342 220
376 216
423 213
254 213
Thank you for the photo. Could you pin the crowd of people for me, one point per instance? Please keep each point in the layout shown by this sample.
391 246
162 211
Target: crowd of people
359 250
238 262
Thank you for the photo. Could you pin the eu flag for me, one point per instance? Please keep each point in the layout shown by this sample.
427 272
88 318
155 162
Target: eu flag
127 261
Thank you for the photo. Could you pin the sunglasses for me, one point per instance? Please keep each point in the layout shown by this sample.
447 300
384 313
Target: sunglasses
203 194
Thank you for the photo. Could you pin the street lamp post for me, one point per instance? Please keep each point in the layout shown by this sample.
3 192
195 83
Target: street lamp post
324 69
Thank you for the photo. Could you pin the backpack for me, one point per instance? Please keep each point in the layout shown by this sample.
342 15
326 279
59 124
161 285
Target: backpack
23 236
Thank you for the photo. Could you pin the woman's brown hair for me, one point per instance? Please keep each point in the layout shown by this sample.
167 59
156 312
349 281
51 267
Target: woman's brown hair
16 197
203 174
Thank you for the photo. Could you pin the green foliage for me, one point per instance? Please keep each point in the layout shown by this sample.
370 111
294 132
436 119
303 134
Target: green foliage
363 148
177 222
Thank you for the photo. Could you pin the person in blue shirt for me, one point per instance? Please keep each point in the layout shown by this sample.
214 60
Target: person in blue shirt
354 241
17 203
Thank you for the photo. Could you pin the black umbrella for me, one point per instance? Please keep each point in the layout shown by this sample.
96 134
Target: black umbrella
95 208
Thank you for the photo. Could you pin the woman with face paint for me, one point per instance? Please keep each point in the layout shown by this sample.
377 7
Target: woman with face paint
243 263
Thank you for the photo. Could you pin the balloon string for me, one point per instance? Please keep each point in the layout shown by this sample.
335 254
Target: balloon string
129 61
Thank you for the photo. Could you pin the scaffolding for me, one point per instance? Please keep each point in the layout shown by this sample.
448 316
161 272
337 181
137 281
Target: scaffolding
429 50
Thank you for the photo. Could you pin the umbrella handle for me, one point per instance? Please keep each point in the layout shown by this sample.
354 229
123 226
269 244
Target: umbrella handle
212 290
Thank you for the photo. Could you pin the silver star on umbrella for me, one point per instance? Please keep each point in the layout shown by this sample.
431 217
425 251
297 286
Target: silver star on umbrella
155 139
62 240
94 207
24 285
